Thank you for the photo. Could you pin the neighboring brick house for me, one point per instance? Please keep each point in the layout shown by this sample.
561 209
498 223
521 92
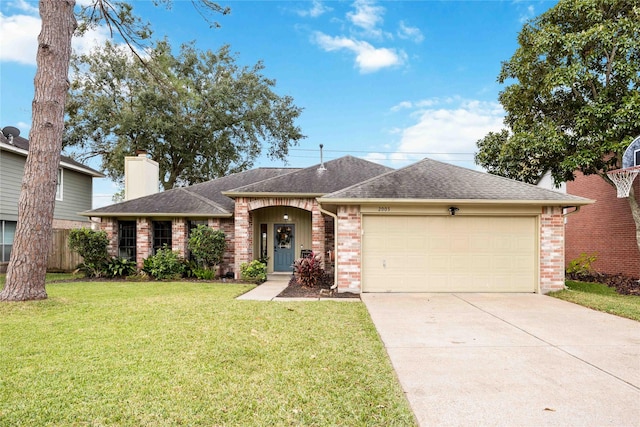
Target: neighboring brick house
74 192
605 228
429 227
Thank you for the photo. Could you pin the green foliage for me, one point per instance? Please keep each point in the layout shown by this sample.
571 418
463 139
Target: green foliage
207 246
573 102
308 270
92 246
199 114
255 271
119 267
582 265
164 265
204 274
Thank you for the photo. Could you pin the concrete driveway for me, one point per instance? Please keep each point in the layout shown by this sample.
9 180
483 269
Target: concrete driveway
510 359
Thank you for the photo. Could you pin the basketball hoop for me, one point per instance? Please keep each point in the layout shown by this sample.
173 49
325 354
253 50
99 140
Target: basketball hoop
623 179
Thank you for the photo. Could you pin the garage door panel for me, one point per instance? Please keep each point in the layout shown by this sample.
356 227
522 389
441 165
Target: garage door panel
449 254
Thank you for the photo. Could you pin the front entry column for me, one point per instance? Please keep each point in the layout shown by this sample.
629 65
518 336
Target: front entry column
317 231
243 239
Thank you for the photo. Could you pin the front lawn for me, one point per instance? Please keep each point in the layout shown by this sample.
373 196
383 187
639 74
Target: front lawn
602 298
165 354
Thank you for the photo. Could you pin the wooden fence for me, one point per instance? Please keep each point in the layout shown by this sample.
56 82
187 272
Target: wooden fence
60 256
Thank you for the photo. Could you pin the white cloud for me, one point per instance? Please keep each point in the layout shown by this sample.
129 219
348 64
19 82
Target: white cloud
24 6
410 33
368 58
528 14
367 16
443 128
317 9
19 38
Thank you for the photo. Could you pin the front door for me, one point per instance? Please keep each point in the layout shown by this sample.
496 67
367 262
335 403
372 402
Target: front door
284 249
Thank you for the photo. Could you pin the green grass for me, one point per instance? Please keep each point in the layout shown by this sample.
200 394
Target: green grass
51 277
167 354
602 298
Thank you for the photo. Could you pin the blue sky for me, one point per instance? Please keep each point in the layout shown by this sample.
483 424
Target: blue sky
390 81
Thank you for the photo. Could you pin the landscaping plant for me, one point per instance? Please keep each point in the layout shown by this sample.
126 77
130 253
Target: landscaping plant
207 246
164 265
308 270
120 267
92 246
255 271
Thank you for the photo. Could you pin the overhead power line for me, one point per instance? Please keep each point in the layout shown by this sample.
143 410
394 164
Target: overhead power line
380 152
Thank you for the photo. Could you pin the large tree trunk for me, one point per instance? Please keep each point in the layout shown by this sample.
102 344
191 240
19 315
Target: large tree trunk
27 265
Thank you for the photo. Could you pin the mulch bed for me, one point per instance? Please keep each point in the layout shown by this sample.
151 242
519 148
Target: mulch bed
296 290
623 285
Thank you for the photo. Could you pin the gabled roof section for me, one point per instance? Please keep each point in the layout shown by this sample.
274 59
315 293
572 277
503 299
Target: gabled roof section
199 200
430 180
20 145
315 181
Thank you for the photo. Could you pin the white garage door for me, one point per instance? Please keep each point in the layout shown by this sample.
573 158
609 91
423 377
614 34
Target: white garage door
449 254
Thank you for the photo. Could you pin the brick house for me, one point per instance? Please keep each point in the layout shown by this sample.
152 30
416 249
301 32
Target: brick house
428 227
605 228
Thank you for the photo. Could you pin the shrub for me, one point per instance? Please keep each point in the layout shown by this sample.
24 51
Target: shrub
207 246
92 246
582 265
164 265
204 274
118 267
308 270
255 271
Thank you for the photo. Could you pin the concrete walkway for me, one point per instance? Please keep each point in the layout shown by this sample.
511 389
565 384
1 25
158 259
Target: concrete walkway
269 290
510 359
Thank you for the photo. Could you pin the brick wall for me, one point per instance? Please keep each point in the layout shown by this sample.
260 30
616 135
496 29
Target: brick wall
329 242
551 249
144 240
349 246
110 226
227 226
242 234
179 236
606 227
317 232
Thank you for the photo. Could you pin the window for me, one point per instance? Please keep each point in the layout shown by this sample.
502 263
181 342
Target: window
636 158
127 240
7 233
263 241
161 235
59 185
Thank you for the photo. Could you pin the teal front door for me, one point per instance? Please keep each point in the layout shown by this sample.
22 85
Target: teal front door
284 249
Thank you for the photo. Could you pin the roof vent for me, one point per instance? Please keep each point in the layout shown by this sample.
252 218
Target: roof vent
321 168
10 132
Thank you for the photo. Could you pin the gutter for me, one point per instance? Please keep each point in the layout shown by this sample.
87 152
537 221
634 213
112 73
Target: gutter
575 210
335 242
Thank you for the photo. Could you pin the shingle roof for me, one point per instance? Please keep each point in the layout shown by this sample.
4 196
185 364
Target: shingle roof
433 180
23 144
212 190
203 199
337 174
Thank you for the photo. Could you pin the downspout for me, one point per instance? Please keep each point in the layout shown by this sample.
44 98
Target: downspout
335 242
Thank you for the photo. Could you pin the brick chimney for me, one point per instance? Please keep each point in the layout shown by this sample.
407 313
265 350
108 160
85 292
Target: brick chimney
141 176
